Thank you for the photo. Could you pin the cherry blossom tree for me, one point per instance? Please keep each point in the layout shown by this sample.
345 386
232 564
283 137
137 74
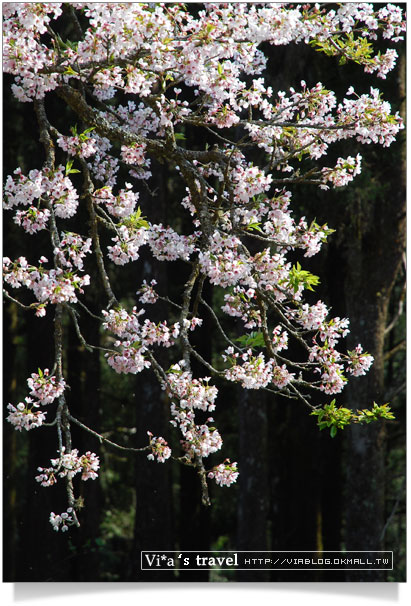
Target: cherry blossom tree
136 77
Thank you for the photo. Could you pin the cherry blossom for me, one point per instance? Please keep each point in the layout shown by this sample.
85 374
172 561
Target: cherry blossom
147 292
224 474
33 219
62 521
69 464
122 205
159 449
127 245
45 387
24 415
254 372
72 250
359 362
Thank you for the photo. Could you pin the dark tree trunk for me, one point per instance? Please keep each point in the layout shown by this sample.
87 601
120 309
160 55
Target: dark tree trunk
194 517
253 496
154 505
84 403
154 521
296 475
45 555
376 239
10 478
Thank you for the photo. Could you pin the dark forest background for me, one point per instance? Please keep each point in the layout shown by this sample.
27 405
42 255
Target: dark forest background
299 489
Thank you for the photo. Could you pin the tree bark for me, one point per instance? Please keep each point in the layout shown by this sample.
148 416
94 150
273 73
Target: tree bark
253 497
376 240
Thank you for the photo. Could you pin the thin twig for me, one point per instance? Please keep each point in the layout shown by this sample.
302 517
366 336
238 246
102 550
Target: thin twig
394 509
220 328
80 336
6 294
389 354
88 187
106 440
399 313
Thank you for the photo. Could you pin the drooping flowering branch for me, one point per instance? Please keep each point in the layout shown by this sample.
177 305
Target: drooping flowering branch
137 79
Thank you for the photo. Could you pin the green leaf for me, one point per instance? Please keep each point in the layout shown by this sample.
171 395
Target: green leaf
70 72
255 226
254 339
298 276
136 220
70 170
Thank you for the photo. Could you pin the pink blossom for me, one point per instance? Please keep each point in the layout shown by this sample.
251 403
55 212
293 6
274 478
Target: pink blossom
150 54
69 464
45 387
128 243
253 373
159 449
224 474
62 521
166 244
24 415
147 292
359 362
72 249
90 464
122 205
33 219
78 145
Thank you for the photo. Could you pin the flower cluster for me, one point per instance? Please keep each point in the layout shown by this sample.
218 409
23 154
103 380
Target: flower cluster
103 165
344 171
241 304
49 286
201 440
45 387
68 465
134 154
200 61
359 361
279 339
46 186
191 393
63 520
224 474
122 205
72 249
127 244
248 182
160 450
254 372
167 245
135 339
78 145
223 262
24 415
33 219
188 395
28 414
330 368
330 361
147 292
